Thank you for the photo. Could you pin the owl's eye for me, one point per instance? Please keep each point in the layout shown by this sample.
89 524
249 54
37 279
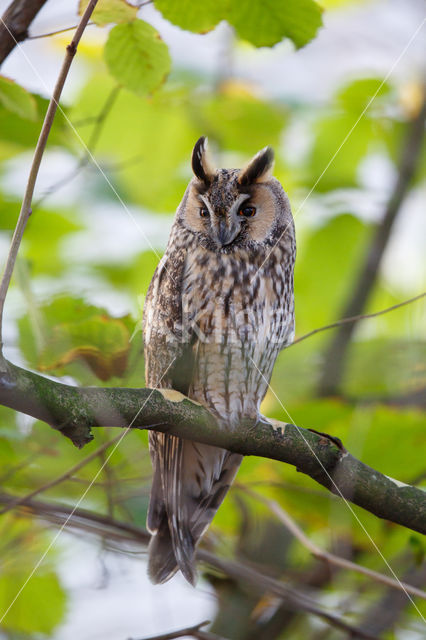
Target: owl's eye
247 212
204 213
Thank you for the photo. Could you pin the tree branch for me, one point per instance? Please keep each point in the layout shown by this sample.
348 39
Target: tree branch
74 411
15 22
38 154
57 32
326 556
124 532
99 122
194 631
384 614
335 355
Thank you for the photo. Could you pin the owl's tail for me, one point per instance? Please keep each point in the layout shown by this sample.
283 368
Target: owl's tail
190 482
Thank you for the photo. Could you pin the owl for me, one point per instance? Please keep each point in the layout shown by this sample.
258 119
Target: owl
219 308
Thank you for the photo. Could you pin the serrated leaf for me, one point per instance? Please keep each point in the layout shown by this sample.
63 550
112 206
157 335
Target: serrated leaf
137 57
266 22
17 99
109 11
198 17
261 22
68 331
100 341
18 132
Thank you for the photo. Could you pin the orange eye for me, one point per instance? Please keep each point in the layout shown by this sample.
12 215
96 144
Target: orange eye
247 212
204 213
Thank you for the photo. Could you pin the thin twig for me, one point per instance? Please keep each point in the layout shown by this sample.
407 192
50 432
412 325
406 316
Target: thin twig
188 631
38 154
384 614
62 477
354 319
54 33
319 553
99 121
109 482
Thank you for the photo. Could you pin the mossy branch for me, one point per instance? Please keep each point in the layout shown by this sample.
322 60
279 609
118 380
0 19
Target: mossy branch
75 411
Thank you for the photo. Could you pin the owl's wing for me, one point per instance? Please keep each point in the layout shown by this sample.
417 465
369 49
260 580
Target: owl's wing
167 343
168 364
190 480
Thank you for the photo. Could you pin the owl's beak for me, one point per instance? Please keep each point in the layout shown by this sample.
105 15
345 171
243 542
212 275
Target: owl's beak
226 233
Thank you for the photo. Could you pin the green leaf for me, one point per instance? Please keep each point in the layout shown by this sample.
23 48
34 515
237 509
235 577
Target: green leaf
9 212
261 22
266 22
357 96
100 341
134 276
230 114
68 331
199 17
326 263
418 548
40 606
140 130
335 155
15 98
137 57
343 139
384 367
19 133
109 11
42 241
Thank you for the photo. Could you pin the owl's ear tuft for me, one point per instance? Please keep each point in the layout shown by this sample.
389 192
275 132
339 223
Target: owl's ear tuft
259 168
201 164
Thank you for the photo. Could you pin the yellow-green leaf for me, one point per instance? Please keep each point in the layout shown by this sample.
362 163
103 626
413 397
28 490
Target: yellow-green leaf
15 98
100 341
108 11
199 17
266 22
261 22
68 333
137 57
39 608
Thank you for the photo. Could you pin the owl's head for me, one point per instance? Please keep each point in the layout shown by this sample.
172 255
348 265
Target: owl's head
231 208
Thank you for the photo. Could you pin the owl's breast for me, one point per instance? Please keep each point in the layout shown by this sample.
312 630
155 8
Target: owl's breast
237 318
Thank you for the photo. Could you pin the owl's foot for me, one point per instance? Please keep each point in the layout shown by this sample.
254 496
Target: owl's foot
263 420
277 426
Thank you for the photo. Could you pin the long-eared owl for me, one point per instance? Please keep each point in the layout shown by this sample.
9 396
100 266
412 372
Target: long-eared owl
218 310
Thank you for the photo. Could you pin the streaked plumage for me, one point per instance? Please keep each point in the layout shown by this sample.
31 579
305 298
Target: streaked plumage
218 310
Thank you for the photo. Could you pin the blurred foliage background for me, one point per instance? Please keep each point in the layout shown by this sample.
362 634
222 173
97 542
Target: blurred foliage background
116 167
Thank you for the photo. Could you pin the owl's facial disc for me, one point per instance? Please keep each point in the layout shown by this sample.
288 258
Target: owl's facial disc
225 224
